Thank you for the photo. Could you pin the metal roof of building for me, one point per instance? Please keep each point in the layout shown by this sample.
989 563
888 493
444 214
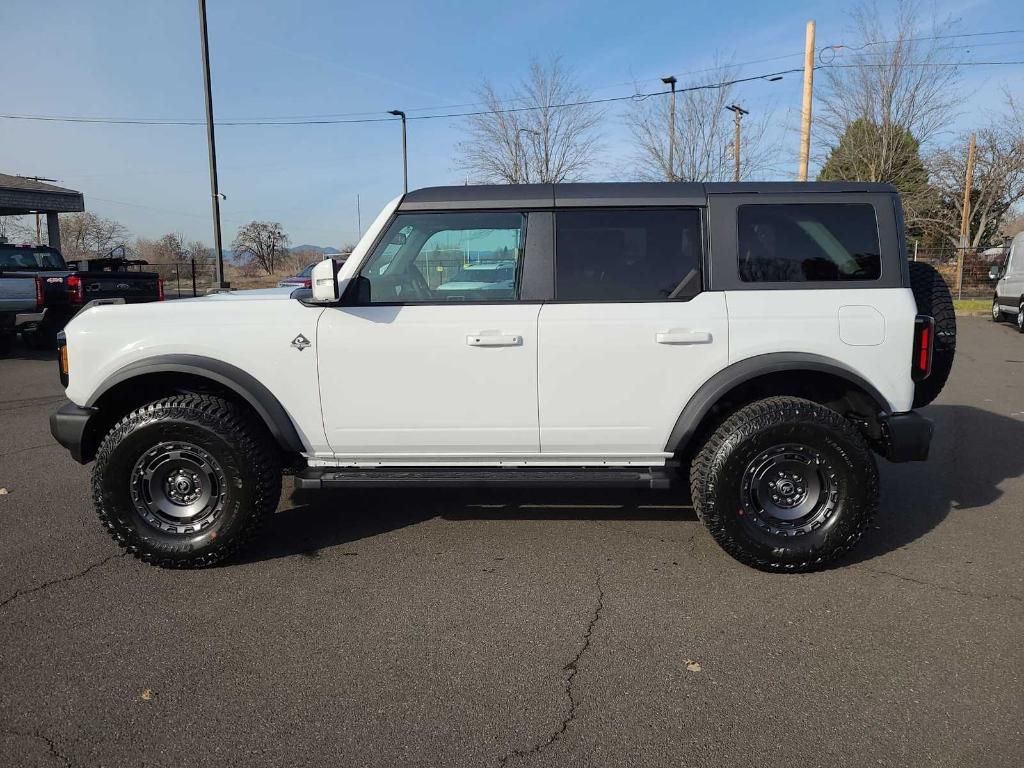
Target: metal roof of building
20 195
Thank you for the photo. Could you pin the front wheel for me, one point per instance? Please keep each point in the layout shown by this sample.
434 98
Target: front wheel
785 484
997 313
1020 316
184 481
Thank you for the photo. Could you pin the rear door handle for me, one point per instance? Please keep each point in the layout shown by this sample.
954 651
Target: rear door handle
683 336
490 339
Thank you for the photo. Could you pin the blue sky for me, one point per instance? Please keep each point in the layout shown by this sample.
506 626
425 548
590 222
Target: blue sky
119 58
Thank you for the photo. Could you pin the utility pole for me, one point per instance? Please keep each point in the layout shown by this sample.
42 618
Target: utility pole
405 150
39 229
965 217
218 245
805 115
739 112
671 82
359 216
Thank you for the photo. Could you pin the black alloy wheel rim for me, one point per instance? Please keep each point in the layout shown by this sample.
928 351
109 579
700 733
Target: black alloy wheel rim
789 490
178 487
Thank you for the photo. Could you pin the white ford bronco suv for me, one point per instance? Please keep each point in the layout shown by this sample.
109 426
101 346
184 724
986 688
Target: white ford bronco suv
754 343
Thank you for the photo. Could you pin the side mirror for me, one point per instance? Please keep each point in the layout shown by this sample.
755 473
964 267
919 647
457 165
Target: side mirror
994 273
324 282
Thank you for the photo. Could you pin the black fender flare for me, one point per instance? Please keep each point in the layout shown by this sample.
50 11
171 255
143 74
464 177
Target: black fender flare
262 400
728 378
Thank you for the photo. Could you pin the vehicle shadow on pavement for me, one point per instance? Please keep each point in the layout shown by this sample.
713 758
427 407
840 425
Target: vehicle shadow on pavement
23 351
314 521
973 452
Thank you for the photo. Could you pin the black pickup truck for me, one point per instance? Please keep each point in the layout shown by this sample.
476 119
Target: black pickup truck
62 288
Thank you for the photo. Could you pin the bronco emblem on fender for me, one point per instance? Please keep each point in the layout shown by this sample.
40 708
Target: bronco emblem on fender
300 342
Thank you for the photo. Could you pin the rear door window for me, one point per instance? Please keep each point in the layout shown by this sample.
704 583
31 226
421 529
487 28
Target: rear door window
808 242
627 255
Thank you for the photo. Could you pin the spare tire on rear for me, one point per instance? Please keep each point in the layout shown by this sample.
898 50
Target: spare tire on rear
935 300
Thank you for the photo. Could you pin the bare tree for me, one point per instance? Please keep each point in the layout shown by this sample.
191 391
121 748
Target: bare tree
998 187
198 250
702 149
86 235
263 244
528 137
19 229
897 77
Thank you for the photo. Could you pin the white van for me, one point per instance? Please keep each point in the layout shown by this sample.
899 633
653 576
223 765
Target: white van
1009 296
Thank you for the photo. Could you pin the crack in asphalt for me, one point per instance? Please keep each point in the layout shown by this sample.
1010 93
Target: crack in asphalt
50 743
572 668
61 580
937 585
51 444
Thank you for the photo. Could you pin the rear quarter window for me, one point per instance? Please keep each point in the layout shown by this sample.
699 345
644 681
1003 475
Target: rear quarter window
807 242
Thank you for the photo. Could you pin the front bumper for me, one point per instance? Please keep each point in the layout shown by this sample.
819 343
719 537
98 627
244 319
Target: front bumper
69 426
906 436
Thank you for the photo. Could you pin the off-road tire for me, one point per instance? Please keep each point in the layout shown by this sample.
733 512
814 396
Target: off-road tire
244 479
934 299
724 503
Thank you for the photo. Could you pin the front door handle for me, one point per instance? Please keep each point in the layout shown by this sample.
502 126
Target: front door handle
491 339
683 336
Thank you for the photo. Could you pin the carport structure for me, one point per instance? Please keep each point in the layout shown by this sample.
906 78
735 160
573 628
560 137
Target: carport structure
20 195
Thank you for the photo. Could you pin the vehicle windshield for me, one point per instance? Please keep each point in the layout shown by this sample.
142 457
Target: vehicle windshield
28 257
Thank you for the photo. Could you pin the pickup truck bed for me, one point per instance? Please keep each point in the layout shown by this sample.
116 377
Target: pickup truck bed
65 290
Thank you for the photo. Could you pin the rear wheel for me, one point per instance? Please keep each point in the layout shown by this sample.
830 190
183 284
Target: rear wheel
997 314
934 299
785 485
1020 316
184 481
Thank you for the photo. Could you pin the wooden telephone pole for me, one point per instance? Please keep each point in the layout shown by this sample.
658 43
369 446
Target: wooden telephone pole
739 112
965 217
805 117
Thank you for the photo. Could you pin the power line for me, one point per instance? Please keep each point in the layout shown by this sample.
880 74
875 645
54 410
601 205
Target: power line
447 115
478 113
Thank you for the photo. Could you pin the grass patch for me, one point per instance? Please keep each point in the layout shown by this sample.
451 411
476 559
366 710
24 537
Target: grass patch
972 305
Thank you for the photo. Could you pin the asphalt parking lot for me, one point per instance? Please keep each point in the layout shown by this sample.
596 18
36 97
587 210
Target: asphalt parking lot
504 629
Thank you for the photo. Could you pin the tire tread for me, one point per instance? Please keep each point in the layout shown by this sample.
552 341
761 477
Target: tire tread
239 428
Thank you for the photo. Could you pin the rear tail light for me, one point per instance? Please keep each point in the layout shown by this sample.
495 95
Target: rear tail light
40 293
924 345
307 283
76 292
159 289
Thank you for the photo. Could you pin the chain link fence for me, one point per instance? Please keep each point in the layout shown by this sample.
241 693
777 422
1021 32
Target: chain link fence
182 279
972 280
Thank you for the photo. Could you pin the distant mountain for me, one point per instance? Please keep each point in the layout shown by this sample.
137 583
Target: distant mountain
326 250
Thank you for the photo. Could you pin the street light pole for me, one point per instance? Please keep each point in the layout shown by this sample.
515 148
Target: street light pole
211 142
671 81
739 112
405 149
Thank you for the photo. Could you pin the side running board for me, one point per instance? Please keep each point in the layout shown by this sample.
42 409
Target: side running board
381 477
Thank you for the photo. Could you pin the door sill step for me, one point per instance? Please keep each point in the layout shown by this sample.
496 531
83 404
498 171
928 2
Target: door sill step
596 477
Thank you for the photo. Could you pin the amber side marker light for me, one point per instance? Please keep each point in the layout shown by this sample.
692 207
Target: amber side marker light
62 358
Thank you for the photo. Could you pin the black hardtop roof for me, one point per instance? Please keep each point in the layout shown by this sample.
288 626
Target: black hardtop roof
613 194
